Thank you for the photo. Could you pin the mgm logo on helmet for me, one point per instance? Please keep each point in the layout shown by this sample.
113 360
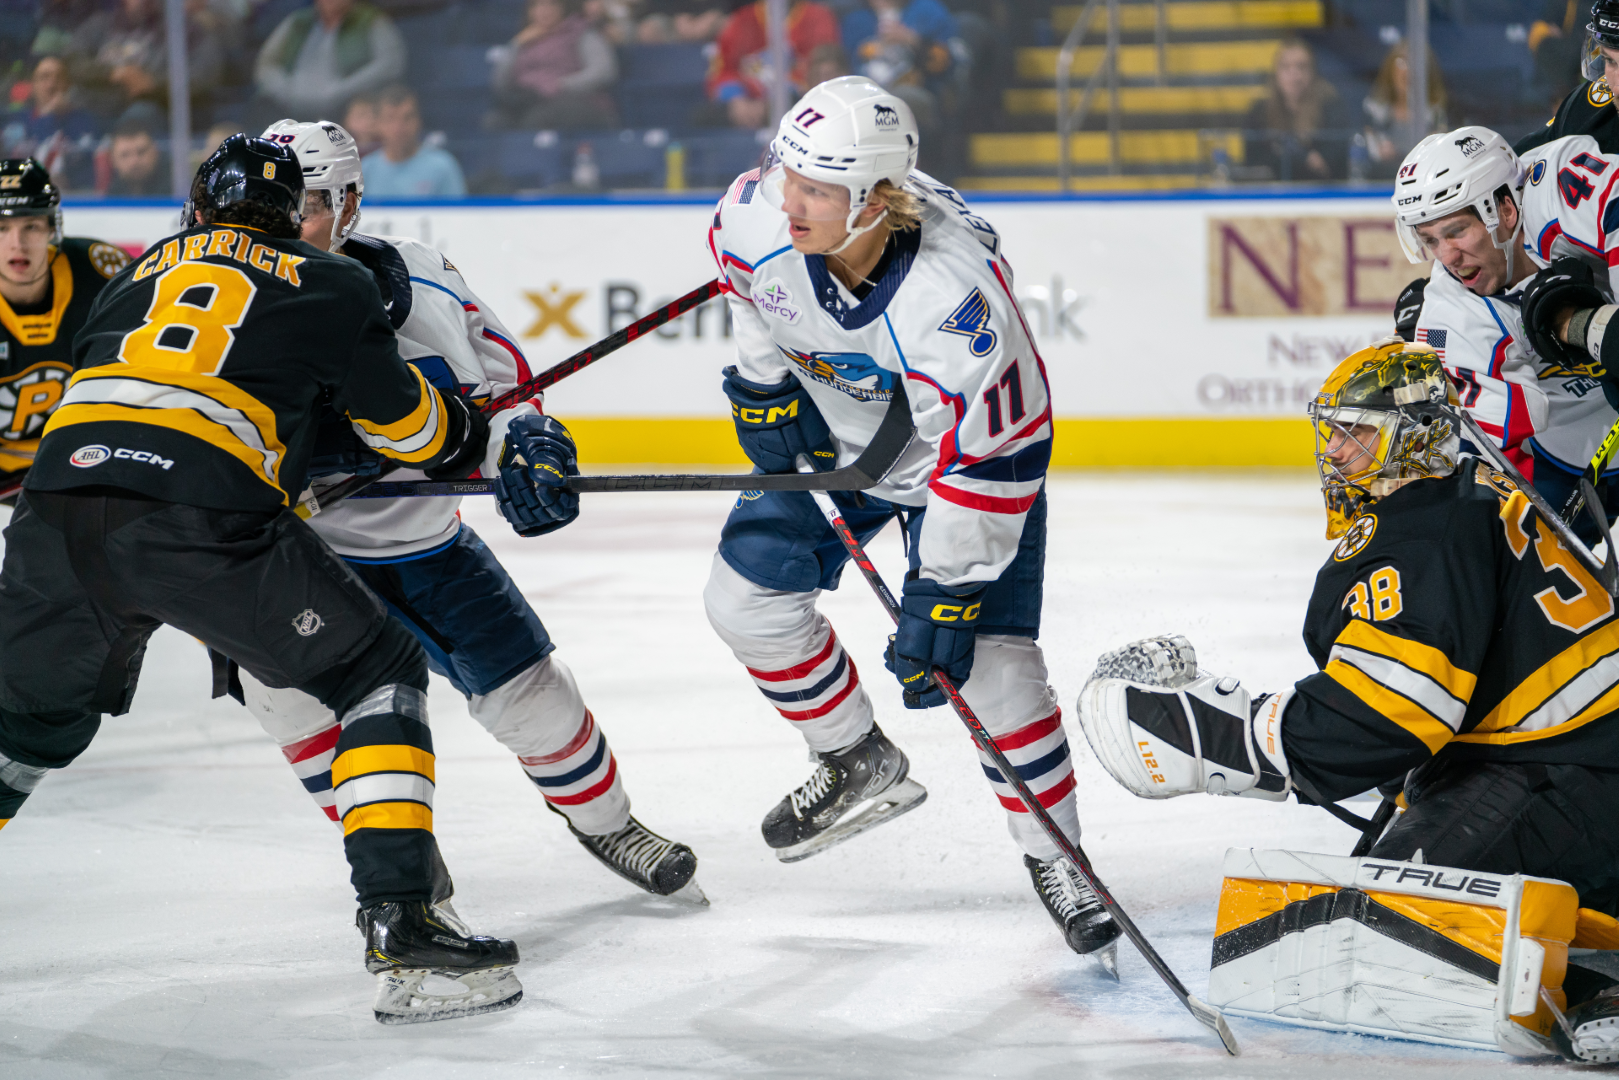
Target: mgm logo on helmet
1471 145
887 117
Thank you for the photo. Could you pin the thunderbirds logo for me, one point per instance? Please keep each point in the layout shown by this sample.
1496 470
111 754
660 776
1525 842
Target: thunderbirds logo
855 374
887 117
1471 145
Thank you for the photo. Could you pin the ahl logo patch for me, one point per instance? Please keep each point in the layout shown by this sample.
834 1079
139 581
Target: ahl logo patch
1356 539
1537 171
776 301
971 320
308 623
87 456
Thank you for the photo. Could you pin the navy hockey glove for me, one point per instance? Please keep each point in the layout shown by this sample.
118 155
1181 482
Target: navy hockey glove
535 461
937 625
777 423
1408 307
1567 283
466 442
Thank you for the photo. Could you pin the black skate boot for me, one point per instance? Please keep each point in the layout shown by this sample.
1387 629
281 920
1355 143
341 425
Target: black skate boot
1085 923
409 942
851 791
639 855
1590 1031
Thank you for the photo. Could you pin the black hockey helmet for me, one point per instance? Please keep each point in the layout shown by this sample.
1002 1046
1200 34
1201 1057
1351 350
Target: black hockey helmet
26 190
245 168
1603 29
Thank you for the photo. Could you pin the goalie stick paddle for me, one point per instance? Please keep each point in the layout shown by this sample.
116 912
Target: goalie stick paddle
347 489
1205 1014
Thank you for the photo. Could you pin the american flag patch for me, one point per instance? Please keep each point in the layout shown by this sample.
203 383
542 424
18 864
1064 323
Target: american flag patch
1433 338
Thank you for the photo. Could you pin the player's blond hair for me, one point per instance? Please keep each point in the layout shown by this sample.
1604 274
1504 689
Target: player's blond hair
904 209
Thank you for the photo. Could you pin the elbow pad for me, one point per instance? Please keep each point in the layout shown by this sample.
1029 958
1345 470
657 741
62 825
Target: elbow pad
465 442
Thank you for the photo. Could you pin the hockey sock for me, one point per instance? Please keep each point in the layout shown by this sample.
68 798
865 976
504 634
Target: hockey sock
581 781
311 761
383 787
1039 753
820 693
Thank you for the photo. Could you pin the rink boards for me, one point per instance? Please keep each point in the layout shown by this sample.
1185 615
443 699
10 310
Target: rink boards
1224 309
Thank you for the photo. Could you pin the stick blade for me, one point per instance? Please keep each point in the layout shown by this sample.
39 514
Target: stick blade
1214 1020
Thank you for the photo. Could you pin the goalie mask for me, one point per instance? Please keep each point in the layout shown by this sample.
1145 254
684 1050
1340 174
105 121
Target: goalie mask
1379 425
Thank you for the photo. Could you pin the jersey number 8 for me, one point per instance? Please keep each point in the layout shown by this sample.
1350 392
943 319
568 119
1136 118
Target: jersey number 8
190 326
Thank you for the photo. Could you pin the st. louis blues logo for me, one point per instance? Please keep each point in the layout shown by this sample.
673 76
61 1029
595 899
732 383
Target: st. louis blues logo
971 320
855 374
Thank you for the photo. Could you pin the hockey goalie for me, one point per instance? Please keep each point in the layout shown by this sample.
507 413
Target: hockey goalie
1467 660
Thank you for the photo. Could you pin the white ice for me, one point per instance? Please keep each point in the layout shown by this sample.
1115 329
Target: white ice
173 905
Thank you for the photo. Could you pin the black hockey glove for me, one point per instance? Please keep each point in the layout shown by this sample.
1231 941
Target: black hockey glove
536 459
467 441
1567 283
937 627
777 423
338 449
1408 307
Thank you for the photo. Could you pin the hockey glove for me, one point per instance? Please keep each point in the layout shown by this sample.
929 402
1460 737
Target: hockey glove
339 450
467 441
1567 283
777 423
1408 307
1166 738
535 461
937 627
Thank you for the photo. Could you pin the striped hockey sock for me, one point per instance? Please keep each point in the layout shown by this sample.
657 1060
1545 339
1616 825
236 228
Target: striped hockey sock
311 761
820 694
581 780
1039 753
383 787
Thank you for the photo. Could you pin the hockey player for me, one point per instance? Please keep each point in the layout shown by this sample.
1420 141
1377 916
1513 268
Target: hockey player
1460 647
47 284
432 571
1464 200
160 493
1588 109
852 278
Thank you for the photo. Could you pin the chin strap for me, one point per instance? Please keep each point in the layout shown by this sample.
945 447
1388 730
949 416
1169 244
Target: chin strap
856 231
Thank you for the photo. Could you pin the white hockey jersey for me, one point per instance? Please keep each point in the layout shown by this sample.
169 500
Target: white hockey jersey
457 343
941 325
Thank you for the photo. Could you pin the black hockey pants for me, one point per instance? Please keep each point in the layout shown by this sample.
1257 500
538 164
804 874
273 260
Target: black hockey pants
1554 821
89 575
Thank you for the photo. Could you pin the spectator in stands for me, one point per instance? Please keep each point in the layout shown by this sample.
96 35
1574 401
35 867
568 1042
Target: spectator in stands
52 127
404 168
555 73
1388 133
361 120
56 22
323 55
138 166
121 55
1299 130
904 46
670 21
741 71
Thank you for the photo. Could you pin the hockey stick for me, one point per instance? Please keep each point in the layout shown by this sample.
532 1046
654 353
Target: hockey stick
346 489
1606 573
893 435
1205 1014
1593 472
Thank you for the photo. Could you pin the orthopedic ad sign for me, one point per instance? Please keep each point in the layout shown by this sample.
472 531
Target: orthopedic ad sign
1213 307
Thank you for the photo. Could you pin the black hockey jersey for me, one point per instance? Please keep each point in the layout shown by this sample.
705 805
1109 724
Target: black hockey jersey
1588 110
202 368
36 348
1450 620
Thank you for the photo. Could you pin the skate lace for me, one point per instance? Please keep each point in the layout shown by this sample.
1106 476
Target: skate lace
1069 892
635 849
814 789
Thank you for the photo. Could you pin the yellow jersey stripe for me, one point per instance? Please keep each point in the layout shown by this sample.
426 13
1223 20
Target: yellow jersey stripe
1433 663
392 757
389 815
135 382
1551 677
187 421
1601 707
1396 708
416 437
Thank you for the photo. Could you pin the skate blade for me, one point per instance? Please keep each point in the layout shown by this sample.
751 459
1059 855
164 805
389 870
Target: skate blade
1107 957
903 796
690 893
402 998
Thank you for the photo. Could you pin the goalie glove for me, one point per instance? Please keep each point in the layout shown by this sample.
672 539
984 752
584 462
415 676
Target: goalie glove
1160 730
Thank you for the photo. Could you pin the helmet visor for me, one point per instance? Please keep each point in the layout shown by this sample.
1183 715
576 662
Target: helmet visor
1593 65
803 197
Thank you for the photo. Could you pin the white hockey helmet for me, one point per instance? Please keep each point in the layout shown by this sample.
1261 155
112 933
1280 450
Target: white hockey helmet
848 132
1450 172
331 161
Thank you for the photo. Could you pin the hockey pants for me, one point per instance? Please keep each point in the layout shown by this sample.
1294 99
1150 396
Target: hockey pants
88 577
804 672
480 634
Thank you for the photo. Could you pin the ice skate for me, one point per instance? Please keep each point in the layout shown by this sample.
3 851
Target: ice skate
1590 1031
639 855
1085 923
429 968
852 790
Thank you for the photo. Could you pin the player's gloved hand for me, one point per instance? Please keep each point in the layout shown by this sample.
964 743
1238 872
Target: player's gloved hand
467 441
535 462
777 423
1408 307
937 626
339 450
1567 283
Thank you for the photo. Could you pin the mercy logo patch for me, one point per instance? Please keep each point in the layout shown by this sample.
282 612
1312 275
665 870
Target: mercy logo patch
775 301
971 320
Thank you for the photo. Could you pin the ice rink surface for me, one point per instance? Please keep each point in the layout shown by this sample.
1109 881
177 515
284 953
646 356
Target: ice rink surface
174 905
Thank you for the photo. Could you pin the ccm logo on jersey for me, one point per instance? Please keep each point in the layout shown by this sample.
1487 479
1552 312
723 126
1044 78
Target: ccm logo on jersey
86 457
